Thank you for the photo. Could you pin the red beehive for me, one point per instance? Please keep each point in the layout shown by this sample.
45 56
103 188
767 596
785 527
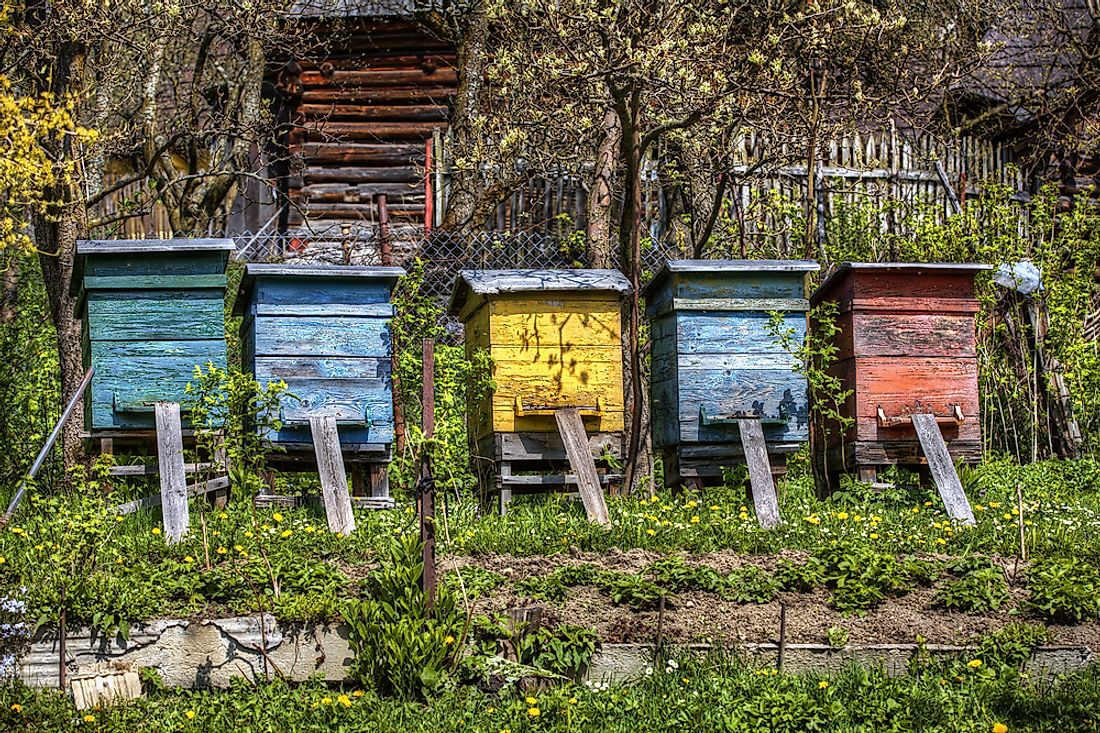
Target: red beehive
906 345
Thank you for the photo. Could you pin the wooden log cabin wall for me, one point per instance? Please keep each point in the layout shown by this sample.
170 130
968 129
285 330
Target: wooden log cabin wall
359 115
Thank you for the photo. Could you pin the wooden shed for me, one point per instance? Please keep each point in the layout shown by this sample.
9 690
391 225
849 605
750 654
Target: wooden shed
906 347
716 362
555 340
324 331
151 311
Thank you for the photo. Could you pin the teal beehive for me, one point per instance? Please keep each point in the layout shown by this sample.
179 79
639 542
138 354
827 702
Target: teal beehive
716 360
151 311
323 330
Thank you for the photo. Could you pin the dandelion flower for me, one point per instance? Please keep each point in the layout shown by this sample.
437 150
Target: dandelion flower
449 640
651 531
89 718
286 533
534 712
277 517
221 551
16 707
1000 728
822 684
357 693
531 701
344 700
156 530
189 559
190 714
842 516
326 700
695 520
974 663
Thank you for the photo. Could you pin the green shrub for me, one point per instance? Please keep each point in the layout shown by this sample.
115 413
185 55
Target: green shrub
1065 589
749 584
673 574
861 578
979 591
399 648
795 578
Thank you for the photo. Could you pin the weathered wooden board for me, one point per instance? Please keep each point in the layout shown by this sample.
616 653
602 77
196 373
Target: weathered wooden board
305 336
764 498
732 333
156 316
774 394
334 480
907 334
943 469
335 367
173 480
584 466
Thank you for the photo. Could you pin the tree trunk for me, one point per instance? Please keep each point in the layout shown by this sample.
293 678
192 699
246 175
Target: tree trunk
55 233
599 200
630 238
471 54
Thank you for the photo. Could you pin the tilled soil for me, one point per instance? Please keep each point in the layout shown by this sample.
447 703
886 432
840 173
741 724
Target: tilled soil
700 617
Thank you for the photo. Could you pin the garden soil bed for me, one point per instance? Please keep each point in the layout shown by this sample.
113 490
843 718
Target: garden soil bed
700 617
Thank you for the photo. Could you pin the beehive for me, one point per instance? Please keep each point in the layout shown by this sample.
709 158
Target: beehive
151 310
906 344
715 359
555 340
325 331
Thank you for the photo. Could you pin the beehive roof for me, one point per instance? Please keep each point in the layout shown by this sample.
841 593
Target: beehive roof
86 248
844 267
728 266
481 283
251 272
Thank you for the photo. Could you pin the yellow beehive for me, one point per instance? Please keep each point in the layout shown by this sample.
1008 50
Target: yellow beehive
555 340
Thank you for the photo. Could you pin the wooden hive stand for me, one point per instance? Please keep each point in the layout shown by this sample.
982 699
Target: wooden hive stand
151 311
907 352
324 331
724 389
553 419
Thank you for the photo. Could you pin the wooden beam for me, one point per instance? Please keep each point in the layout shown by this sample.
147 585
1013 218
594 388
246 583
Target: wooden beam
173 481
149 502
764 498
942 469
571 427
334 480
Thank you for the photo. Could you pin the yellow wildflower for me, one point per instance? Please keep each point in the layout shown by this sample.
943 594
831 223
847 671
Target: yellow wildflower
531 701
822 684
156 530
238 548
89 718
715 508
190 714
842 516
534 712
3 559
223 515
277 517
326 700
16 707
812 519
221 551
974 663
651 531
247 534
309 529
344 700
928 503
17 530
189 559
1000 728
357 693
286 533
695 520
874 535
449 640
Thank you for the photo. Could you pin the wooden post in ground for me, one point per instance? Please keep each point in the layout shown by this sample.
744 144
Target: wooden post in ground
942 468
173 480
583 465
334 479
764 498
427 483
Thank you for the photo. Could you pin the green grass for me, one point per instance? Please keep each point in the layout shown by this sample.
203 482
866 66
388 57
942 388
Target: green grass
716 693
119 569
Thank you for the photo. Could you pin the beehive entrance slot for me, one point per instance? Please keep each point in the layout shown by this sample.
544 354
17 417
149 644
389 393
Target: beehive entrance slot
530 410
942 469
764 498
893 421
734 418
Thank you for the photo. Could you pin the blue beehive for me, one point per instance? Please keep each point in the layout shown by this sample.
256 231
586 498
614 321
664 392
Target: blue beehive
324 330
714 360
151 310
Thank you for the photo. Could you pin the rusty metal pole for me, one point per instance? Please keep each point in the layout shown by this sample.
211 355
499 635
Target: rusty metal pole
385 244
427 496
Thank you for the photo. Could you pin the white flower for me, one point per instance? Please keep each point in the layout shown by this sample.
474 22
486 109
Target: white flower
648 671
672 664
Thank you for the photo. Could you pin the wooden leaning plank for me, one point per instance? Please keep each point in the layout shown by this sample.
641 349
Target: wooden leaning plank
572 432
173 480
334 479
942 469
205 487
760 476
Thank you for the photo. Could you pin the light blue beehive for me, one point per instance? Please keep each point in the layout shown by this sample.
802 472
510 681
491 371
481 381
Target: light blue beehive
714 359
324 330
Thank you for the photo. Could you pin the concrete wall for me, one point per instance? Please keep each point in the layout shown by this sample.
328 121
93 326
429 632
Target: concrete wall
208 653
